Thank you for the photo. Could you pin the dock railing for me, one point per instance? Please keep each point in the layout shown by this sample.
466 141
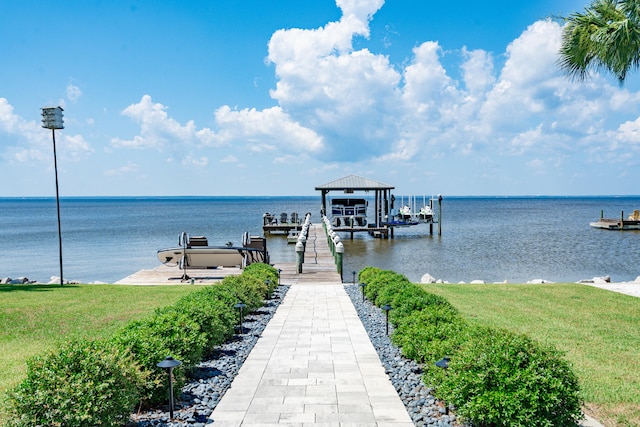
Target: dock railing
301 244
335 244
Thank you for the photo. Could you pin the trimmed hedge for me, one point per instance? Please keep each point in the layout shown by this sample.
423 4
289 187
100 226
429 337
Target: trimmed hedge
169 332
82 383
495 378
264 272
504 379
427 335
100 382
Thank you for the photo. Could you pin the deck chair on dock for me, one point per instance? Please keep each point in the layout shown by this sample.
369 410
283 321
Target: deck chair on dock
283 218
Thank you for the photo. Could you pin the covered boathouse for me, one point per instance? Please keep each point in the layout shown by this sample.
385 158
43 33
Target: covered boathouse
382 201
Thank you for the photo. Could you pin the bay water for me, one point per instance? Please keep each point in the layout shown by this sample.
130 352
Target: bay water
494 239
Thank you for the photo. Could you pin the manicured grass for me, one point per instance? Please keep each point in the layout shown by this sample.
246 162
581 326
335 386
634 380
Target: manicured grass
34 318
599 331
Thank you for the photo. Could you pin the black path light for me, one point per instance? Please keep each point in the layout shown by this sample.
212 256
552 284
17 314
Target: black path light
444 364
279 271
267 283
169 363
362 286
240 306
52 119
386 309
354 277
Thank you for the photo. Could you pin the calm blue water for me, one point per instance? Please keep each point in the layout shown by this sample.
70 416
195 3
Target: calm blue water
493 239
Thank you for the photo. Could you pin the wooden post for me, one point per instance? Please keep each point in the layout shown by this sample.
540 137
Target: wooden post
439 214
299 256
339 257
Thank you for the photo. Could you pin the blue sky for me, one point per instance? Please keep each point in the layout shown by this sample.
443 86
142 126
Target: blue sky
276 97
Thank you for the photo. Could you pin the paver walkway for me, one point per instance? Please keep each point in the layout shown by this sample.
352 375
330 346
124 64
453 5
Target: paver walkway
314 363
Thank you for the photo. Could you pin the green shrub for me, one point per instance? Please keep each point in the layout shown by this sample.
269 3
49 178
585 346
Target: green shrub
212 308
249 289
170 332
407 298
377 280
89 383
264 272
83 383
430 334
503 379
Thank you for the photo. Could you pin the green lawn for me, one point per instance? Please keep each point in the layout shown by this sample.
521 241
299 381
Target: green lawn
33 318
599 331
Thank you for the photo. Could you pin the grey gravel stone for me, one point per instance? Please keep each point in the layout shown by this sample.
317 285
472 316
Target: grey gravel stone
213 377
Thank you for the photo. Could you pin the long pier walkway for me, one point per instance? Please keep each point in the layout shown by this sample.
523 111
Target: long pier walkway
314 363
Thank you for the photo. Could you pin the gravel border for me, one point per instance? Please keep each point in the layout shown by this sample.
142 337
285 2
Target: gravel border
213 377
405 374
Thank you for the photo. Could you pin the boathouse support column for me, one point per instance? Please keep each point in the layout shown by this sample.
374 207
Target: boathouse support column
376 208
324 203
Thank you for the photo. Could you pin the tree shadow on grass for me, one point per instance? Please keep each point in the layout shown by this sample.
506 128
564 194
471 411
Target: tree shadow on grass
33 288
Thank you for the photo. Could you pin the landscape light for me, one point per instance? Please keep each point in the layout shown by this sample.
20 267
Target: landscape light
444 364
386 309
52 119
240 305
362 286
267 283
169 363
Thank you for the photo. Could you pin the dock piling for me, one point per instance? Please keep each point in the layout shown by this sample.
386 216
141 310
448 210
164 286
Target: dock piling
339 257
299 256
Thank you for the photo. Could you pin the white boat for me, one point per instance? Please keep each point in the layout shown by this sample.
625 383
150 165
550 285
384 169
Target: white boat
195 252
426 213
349 212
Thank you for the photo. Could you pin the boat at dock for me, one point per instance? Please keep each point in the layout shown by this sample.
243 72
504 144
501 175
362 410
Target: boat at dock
349 212
631 223
195 252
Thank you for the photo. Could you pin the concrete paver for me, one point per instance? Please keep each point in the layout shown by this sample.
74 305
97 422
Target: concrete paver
314 363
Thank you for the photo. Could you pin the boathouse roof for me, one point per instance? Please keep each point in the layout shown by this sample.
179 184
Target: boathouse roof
354 183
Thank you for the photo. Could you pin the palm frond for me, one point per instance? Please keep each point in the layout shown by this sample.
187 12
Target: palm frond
606 36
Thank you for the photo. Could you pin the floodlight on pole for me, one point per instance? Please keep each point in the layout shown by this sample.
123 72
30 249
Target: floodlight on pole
52 119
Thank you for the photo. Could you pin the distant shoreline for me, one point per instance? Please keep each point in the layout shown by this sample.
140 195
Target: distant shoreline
306 197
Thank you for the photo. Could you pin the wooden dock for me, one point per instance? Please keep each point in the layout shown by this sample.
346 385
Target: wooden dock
164 275
282 228
616 224
319 267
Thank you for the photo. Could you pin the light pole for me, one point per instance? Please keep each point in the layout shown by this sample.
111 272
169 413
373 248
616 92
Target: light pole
52 119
